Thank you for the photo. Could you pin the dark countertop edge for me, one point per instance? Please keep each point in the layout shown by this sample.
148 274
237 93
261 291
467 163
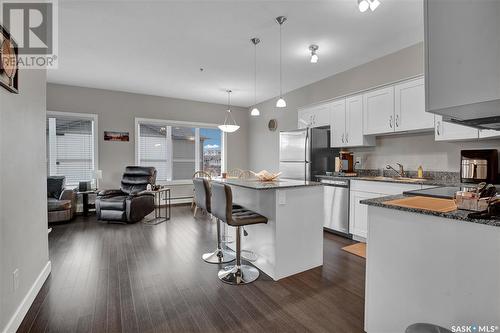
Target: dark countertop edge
458 215
269 185
429 182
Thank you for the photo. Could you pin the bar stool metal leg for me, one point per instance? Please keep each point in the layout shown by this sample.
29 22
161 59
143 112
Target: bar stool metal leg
238 274
220 255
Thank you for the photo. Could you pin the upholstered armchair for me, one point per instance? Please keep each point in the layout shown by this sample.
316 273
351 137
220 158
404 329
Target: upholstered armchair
61 203
132 202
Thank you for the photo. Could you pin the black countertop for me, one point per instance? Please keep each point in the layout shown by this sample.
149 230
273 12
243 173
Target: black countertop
260 185
428 182
458 215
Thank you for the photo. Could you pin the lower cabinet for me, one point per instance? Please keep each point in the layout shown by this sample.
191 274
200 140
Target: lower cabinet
362 190
358 213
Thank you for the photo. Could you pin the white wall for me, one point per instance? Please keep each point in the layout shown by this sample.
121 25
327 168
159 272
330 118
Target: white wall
23 192
117 112
411 150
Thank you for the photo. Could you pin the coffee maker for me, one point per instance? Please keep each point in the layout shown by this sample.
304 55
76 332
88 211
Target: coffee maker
478 166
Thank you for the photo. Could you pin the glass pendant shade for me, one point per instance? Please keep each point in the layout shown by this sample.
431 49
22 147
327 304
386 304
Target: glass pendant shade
374 4
255 112
314 58
229 128
230 124
363 5
281 103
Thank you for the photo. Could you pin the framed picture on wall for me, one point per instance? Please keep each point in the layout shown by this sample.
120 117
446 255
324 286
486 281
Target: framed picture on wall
116 136
9 72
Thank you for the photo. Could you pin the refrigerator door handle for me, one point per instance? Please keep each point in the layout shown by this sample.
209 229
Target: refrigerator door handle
306 159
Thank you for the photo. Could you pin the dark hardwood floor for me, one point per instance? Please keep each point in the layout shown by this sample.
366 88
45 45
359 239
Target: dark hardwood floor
140 278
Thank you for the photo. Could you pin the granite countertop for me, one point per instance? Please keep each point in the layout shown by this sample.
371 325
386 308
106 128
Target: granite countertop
429 182
459 214
260 185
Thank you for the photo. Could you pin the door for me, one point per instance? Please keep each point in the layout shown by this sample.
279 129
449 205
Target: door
354 121
358 213
336 208
337 123
293 145
409 107
485 134
295 170
445 131
321 115
378 111
304 119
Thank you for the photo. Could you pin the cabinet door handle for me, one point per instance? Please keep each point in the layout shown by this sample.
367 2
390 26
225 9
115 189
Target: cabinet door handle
397 120
438 128
390 121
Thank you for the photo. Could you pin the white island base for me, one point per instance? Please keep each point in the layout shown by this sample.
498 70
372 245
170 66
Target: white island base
430 269
292 240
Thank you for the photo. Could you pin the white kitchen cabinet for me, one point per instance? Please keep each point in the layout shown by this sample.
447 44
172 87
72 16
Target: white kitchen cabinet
378 111
362 190
315 116
346 123
409 108
488 134
445 131
358 213
304 118
337 123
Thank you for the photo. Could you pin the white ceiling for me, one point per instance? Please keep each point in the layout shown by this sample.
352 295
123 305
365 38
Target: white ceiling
157 47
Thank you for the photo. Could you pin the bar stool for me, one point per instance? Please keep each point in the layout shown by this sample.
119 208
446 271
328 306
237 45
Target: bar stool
202 200
223 209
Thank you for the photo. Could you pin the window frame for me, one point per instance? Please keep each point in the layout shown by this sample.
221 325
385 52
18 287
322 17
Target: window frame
95 130
174 123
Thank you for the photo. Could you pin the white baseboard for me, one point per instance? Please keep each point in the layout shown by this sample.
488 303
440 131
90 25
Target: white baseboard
23 308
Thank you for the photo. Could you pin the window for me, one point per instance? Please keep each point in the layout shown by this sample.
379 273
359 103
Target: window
177 150
71 146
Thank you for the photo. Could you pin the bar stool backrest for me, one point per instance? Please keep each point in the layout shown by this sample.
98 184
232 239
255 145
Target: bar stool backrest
202 194
222 202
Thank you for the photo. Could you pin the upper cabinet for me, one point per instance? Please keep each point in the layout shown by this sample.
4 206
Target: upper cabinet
409 108
462 58
445 131
489 134
397 108
315 116
346 123
378 111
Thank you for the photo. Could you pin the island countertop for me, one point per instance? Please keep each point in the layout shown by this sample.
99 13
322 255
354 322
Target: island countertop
260 185
458 215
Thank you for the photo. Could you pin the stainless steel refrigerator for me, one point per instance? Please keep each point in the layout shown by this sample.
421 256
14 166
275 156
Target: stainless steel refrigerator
306 153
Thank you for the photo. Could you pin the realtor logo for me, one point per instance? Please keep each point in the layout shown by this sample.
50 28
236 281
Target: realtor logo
33 25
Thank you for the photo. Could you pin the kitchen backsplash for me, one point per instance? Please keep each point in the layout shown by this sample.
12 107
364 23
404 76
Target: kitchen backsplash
447 177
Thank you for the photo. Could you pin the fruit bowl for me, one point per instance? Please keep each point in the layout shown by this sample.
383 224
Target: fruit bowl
266 176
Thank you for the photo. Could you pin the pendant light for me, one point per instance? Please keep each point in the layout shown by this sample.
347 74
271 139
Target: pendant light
230 124
255 112
314 56
280 103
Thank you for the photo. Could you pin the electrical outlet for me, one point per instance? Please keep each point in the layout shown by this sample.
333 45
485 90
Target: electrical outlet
15 279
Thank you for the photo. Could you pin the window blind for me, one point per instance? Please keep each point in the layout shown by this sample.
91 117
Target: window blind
153 150
70 148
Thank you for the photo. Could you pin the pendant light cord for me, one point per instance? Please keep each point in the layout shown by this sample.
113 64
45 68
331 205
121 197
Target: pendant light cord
281 78
255 77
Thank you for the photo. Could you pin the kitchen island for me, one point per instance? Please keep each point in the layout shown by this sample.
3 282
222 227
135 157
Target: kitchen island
425 266
292 240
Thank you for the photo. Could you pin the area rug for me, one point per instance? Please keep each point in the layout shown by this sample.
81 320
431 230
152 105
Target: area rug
358 249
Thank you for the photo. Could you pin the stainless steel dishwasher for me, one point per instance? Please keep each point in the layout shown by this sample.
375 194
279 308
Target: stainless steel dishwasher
336 206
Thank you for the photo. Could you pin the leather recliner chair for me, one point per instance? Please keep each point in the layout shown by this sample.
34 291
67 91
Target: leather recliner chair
132 202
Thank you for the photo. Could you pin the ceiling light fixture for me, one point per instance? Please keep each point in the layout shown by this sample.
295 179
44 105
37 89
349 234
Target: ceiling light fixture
230 124
363 5
255 112
280 103
314 57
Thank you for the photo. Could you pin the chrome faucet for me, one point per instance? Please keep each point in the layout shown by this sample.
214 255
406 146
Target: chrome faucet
400 173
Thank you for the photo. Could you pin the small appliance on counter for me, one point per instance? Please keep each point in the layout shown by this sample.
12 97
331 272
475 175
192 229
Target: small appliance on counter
344 164
478 166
